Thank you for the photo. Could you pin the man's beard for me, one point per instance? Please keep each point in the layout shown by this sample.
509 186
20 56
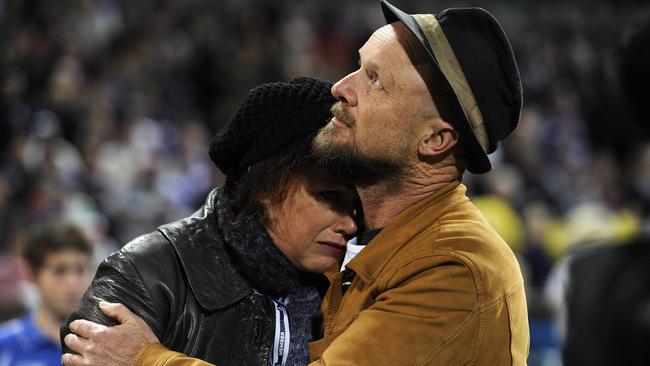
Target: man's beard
347 161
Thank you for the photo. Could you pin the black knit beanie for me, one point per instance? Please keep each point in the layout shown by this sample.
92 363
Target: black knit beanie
269 118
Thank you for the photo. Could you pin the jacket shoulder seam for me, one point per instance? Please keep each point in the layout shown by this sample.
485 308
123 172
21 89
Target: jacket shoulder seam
144 286
503 297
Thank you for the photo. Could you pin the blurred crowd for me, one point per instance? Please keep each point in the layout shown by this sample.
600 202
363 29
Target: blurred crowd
107 108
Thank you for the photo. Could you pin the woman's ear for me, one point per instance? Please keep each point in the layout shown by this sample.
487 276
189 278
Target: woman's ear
441 137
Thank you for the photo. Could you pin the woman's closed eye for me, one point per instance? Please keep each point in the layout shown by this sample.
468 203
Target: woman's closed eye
330 196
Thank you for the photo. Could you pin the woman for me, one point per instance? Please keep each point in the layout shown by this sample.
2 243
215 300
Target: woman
234 283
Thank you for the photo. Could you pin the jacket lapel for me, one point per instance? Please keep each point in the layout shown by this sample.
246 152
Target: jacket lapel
214 280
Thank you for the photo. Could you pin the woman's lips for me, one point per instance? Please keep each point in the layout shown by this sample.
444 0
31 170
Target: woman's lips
335 248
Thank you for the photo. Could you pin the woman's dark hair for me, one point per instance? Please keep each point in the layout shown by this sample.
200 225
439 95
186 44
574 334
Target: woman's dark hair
269 179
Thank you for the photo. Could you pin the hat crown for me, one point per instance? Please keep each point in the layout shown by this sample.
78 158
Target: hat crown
494 76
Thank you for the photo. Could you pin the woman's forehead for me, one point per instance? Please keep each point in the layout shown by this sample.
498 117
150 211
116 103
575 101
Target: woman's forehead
318 175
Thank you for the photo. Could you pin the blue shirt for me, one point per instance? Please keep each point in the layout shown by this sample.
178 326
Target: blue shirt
23 344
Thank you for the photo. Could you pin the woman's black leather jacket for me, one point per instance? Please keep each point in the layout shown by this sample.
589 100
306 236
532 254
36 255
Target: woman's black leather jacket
181 281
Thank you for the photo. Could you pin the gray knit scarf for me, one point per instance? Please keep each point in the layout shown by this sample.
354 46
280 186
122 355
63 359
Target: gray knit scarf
269 271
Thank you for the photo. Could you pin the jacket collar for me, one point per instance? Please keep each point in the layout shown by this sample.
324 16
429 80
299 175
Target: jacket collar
412 221
214 280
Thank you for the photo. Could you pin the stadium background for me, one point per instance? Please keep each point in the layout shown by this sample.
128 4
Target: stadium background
107 108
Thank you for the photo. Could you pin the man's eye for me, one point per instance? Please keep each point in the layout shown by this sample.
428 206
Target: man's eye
374 79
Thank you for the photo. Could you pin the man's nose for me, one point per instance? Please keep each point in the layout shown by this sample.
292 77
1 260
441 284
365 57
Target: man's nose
344 91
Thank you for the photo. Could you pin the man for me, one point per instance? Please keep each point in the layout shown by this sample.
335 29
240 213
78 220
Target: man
59 260
434 283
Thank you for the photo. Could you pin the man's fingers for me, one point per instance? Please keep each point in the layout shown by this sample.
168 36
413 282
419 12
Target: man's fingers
116 310
69 359
85 328
75 343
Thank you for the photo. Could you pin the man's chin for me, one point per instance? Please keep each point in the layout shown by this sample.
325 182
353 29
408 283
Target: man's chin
342 160
334 131
330 140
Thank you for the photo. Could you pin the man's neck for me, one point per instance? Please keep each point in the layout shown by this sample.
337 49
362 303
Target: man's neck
48 323
387 199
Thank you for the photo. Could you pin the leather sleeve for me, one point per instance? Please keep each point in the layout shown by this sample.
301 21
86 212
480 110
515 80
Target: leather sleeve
142 276
156 354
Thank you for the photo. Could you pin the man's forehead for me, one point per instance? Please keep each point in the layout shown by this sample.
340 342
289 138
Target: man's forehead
379 38
394 49
388 38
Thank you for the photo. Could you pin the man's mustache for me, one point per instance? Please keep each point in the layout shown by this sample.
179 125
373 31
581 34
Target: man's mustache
341 113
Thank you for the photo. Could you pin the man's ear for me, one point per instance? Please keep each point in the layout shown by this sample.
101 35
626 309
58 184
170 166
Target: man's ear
441 137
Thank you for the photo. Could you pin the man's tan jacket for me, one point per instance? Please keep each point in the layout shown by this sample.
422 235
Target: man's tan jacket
437 286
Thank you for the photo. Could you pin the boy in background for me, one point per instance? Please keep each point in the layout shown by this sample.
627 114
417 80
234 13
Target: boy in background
58 258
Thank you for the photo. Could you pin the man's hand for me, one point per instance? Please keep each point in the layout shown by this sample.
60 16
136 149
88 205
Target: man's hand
100 345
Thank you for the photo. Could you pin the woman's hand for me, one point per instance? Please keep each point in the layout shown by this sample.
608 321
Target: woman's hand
100 345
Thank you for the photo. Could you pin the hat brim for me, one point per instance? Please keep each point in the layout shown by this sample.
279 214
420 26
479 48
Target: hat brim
477 160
